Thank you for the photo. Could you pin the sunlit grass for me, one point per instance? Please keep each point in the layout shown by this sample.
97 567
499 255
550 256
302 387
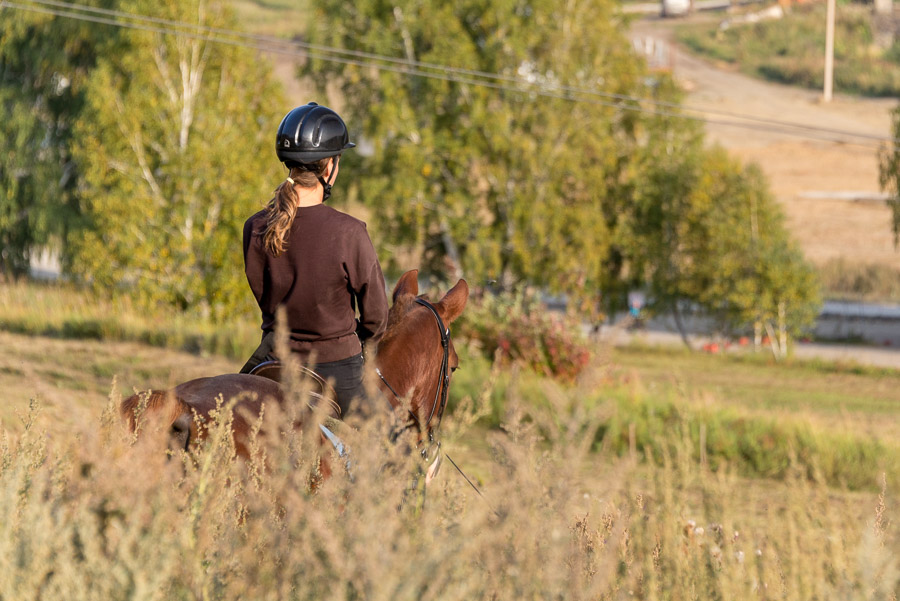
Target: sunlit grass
88 514
281 18
64 311
753 412
826 393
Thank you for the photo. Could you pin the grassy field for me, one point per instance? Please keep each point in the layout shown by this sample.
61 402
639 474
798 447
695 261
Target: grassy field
64 311
68 350
791 50
561 517
600 489
835 396
280 18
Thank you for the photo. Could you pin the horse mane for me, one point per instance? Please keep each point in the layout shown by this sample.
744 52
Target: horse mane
158 405
397 312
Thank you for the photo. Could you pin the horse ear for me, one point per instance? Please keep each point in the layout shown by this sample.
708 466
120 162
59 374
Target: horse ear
407 284
451 306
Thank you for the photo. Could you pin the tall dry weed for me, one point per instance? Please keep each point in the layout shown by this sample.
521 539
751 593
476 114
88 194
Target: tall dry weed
96 515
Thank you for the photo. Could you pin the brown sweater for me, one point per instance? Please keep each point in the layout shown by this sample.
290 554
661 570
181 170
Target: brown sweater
328 271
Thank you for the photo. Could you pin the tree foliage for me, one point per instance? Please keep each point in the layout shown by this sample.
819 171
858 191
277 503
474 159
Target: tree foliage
706 234
889 173
174 146
508 184
44 62
586 197
147 160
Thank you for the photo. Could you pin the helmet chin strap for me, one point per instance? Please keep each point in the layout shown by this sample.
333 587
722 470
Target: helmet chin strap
326 193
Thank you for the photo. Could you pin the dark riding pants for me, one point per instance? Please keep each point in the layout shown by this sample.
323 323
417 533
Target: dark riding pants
345 375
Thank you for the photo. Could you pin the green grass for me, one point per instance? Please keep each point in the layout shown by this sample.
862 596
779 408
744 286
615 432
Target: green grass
840 422
834 395
65 311
282 18
791 50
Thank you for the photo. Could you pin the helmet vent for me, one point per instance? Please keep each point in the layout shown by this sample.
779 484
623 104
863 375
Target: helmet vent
309 133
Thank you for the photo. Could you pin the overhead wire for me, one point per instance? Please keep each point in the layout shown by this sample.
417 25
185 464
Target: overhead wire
456 70
432 70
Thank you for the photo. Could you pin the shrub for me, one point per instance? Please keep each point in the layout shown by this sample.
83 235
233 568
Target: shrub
516 328
755 445
859 281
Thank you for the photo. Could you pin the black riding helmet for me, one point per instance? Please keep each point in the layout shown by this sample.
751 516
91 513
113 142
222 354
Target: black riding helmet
310 133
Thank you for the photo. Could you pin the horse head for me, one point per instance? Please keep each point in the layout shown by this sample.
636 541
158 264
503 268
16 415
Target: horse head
416 356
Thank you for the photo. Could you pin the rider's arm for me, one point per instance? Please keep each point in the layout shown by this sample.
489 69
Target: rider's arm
254 260
367 283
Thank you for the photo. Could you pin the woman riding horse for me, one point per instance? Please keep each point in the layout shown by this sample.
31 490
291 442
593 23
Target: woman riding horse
316 262
415 360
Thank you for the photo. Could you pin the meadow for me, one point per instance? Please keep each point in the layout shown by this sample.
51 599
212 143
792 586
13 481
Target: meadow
595 489
791 50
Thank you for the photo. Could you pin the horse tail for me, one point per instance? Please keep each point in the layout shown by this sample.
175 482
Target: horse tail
160 407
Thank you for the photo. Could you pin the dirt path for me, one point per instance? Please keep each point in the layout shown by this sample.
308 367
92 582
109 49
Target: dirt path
807 176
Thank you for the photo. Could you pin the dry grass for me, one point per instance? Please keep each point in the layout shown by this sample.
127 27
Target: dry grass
281 18
89 514
71 378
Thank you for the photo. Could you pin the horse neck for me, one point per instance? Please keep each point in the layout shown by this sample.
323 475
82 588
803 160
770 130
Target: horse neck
410 366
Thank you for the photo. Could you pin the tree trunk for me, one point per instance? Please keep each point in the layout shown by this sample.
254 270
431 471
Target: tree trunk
782 328
676 312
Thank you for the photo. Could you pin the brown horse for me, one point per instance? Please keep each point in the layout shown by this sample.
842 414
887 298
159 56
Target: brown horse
414 361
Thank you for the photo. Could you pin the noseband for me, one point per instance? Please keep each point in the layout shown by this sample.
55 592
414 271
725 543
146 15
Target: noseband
440 395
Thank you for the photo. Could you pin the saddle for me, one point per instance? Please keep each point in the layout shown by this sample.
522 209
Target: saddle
320 391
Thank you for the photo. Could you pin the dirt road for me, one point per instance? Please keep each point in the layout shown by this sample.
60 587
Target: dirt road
811 178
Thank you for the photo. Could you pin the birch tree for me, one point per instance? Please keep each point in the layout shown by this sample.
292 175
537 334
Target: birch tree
175 146
44 63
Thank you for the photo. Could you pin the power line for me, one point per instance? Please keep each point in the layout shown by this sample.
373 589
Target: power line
424 69
456 70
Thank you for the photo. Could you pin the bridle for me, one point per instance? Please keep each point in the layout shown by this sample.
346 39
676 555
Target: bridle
443 389
431 453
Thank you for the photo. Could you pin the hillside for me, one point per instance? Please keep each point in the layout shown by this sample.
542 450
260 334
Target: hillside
821 185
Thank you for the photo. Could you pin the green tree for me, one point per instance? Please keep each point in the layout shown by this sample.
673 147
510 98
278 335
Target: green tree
889 172
175 147
512 184
44 62
708 235
588 197
654 231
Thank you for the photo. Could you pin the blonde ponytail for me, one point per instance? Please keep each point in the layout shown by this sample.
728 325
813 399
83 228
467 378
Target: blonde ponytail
280 217
282 209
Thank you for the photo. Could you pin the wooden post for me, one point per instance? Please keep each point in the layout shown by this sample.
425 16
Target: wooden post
703 445
632 442
829 51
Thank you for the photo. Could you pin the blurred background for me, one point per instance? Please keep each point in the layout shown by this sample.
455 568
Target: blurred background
679 222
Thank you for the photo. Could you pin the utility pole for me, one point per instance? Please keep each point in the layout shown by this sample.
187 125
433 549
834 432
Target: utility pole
829 51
